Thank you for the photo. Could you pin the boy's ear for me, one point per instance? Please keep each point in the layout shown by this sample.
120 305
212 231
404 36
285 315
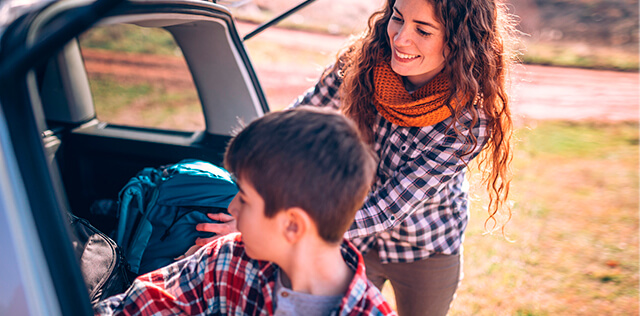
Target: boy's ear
295 224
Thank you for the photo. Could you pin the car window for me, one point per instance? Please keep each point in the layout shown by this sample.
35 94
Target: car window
139 77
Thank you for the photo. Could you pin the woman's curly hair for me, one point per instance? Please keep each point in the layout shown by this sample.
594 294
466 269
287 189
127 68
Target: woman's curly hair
476 33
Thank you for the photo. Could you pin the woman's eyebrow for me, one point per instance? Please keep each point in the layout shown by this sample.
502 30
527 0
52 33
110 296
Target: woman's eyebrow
417 21
397 11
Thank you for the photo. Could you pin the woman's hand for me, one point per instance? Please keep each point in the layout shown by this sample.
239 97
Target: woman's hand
227 225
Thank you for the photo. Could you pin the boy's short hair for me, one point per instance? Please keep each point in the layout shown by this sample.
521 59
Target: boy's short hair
307 157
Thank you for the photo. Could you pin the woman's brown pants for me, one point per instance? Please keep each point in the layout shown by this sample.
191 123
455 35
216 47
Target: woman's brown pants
424 287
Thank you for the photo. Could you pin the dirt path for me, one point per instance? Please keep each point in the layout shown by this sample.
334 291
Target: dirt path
541 92
538 92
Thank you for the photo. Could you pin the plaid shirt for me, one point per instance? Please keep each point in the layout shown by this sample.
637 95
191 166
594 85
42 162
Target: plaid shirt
219 279
418 204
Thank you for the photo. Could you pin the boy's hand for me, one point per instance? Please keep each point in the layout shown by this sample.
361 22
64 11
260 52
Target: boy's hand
189 252
227 225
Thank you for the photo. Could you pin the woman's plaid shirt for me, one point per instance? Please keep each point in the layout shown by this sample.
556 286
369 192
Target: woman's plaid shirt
219 279
418 204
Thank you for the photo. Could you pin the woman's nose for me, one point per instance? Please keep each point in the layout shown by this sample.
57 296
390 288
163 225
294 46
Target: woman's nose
403 37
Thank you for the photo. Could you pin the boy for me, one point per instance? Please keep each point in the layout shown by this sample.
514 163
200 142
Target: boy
301 174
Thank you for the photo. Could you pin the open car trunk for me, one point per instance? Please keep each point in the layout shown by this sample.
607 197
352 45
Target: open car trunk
96 158
68 156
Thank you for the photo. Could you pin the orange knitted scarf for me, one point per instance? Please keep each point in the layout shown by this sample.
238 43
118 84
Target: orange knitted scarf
422 108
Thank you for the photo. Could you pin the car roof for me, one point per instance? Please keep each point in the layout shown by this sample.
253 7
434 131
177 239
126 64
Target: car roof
12 9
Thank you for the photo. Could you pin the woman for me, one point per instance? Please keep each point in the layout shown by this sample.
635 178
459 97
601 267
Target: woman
426 86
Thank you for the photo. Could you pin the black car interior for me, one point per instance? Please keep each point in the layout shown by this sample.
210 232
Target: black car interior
95 159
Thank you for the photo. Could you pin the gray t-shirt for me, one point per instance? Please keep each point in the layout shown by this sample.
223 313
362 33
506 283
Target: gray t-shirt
290 303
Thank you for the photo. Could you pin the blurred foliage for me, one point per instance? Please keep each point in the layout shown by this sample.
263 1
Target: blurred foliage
600 34
578 55
595 22
131 39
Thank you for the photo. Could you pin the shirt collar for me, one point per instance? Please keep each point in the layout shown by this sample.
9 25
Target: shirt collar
355 292
358 286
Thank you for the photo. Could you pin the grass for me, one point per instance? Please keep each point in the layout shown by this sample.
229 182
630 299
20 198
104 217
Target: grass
574 233
128 101
111 97
145 104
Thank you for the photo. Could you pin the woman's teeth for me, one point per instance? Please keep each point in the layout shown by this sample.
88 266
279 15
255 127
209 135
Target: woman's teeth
405 56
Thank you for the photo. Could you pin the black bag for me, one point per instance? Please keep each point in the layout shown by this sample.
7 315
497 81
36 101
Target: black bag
102 262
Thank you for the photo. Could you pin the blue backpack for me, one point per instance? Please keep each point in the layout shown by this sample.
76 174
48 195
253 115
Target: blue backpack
159 208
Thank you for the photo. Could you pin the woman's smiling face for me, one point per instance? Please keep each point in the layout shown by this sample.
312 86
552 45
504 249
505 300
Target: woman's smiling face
417 41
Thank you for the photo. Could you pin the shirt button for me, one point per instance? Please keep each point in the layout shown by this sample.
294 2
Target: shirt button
403 148
285 294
